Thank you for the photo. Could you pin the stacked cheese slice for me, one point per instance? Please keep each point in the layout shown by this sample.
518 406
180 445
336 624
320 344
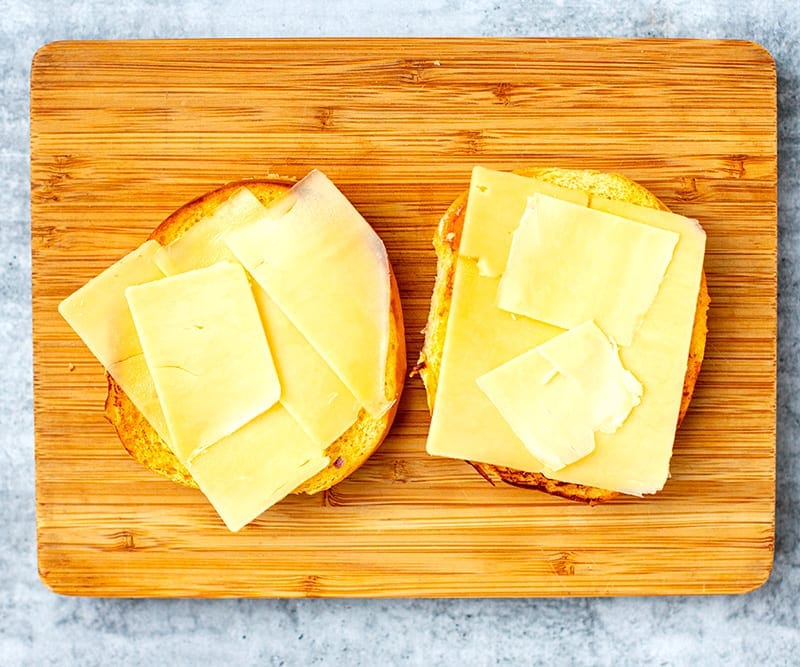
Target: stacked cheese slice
251 342
568 334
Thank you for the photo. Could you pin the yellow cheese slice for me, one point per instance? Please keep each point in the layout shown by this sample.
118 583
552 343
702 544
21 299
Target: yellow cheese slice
547 411
569 264
328 272
465 424
206 350
201 244
311 392
497 200
250 470
557 395
99 314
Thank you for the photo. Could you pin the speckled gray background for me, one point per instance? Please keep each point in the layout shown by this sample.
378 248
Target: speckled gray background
38 627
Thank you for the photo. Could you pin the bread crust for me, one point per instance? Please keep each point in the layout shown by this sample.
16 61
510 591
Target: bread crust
346 454
446 242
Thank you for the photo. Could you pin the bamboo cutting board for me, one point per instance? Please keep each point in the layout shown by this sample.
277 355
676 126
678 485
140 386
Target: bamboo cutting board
122 133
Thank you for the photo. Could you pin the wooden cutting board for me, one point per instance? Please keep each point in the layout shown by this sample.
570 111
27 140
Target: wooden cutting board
122 133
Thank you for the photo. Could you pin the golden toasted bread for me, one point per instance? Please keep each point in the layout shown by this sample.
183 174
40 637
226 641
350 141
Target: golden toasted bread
446 243
347 453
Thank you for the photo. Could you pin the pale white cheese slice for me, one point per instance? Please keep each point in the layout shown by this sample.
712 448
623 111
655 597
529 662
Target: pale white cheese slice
327 270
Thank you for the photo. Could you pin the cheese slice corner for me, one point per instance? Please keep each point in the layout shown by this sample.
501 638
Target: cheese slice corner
201 245
98 312
689 228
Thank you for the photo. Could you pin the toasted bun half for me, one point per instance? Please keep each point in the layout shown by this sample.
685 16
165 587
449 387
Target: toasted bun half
346 454
446 243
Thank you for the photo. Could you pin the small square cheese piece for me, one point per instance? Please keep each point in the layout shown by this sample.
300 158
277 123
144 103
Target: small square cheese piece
557 395
99 314
569 264
546 410
207 352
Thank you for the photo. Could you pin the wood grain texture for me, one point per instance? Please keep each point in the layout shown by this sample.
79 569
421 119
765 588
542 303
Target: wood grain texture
123 133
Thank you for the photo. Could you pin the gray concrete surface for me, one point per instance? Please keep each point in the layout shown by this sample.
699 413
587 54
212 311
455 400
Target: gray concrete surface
38 627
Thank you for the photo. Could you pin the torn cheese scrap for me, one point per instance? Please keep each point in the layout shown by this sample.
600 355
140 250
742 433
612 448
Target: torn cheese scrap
557 395
587 357
546 411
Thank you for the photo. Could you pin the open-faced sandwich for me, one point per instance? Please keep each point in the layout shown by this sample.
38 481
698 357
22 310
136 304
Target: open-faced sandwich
566 331
253 344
